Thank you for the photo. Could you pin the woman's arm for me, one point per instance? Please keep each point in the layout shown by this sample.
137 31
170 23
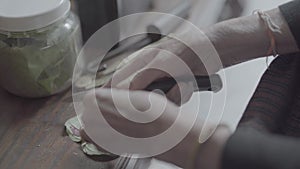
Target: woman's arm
246 38
235 40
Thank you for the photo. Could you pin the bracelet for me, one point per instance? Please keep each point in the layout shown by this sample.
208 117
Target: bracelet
271 28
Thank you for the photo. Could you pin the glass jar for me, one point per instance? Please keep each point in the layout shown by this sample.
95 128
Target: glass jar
38 48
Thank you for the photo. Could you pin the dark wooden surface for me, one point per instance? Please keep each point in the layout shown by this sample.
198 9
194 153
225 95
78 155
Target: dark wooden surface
33 136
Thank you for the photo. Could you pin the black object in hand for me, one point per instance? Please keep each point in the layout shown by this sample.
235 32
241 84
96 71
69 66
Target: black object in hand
202 83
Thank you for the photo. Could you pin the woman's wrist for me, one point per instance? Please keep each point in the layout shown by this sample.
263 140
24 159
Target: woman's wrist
239 40
246 38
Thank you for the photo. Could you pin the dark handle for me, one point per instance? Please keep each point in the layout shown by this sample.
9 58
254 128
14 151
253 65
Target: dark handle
204 83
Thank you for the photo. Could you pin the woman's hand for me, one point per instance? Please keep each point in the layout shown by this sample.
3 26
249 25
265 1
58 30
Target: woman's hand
168 57
144 107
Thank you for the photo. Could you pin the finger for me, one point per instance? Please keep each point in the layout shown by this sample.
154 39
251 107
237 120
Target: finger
181 93
133 105
128 101
139 60
126 115
153 71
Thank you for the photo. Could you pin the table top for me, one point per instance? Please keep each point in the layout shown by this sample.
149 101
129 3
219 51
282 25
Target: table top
33 136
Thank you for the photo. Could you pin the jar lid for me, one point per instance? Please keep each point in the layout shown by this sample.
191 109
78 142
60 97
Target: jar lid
27 15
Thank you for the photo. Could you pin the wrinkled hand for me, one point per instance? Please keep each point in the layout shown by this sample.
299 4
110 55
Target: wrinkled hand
155 62
145 107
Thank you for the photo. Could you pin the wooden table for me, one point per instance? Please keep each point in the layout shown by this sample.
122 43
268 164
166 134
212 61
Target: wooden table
33 136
